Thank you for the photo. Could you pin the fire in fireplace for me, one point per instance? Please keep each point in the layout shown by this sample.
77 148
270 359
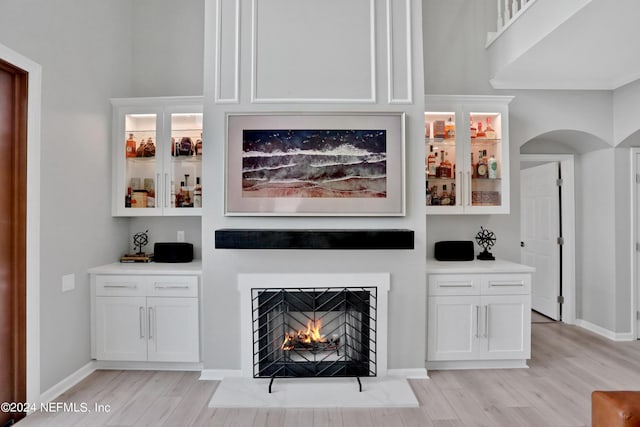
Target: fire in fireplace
314 332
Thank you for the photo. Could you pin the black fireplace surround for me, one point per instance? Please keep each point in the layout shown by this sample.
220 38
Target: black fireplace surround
345 344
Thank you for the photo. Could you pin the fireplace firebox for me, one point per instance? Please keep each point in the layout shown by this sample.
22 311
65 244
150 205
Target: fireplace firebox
314 332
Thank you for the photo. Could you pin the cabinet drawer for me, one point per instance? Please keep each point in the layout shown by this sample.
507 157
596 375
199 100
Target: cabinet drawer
453 284
115 286
506 284
172 286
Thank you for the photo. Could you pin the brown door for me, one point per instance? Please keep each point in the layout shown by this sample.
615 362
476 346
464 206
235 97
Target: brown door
13 236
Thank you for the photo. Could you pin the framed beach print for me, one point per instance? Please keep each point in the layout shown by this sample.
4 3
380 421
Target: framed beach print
315 164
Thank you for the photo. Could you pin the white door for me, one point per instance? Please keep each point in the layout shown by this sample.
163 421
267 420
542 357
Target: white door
540 229
173 329
121 328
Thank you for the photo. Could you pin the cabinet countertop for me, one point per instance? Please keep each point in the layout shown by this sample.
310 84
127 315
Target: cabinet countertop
476 266
193 267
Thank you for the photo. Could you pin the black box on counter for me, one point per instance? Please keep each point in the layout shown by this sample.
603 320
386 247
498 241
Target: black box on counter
454 250
173 252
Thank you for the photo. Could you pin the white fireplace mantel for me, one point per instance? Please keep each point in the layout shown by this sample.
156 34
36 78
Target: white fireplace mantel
246 282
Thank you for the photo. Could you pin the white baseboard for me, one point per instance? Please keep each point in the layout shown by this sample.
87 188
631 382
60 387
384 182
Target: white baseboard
614 336
416 373
68 382
148 366
477 364
219 374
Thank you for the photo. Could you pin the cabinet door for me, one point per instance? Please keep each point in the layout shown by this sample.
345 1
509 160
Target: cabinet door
121 332
486 181
182 177
506 326
173 329
453 328
442 160
480 167
157 145
137 161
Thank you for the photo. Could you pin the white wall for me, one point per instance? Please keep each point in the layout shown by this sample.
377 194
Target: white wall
167 60
596 246
85 52
456 63
296 34
626 110
167 47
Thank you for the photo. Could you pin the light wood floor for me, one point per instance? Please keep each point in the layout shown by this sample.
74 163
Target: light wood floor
567 364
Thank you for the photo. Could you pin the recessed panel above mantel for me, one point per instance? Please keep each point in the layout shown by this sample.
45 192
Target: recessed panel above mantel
313 51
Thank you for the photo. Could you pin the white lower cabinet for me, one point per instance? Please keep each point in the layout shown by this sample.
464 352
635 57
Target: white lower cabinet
146 318
479 320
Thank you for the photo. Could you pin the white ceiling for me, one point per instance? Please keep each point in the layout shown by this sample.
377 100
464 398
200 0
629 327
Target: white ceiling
598 47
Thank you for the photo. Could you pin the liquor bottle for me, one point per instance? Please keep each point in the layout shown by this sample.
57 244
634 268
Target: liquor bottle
480 133
431 162
474 166
173 147
439 129
199 146
149 148
489 131
452 195
186 194
127 198
445 199
427 130
435 197
492 166
473 129
450 129
481 169
131 146
173 194
197 194
179 196
445 166
428 195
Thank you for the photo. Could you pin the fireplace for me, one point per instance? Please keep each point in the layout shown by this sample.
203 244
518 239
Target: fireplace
314 325
314 332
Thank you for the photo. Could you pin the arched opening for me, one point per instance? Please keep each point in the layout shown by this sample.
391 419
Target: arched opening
600 245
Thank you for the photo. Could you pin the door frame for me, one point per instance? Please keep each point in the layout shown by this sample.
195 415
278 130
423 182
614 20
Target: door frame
34 108
634 169
567 221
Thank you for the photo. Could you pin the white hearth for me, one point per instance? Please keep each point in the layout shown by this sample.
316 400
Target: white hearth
380 390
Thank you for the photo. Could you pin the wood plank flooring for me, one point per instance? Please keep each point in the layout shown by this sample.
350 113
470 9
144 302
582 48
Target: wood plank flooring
567 364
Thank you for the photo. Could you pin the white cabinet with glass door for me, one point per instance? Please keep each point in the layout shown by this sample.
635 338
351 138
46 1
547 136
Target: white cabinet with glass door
157 156
466 154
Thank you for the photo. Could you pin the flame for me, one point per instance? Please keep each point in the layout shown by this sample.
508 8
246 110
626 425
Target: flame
311 335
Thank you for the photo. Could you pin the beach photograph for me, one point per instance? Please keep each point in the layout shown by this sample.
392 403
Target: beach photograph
309 163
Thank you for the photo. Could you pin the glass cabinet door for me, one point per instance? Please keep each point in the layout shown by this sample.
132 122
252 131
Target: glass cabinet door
441 161
183 179
486 159
139 143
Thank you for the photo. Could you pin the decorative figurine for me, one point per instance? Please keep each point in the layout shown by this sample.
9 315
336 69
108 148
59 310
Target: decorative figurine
140 240
486 239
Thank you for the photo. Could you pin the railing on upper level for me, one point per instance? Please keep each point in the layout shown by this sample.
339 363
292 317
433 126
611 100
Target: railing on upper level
509 11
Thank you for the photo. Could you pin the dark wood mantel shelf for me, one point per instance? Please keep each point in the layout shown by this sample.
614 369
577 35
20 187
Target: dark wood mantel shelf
228 238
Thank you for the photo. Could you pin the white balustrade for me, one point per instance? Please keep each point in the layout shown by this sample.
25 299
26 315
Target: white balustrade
509 10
